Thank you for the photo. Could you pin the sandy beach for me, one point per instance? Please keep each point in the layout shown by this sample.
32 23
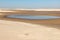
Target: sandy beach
11 30
29 19
23 29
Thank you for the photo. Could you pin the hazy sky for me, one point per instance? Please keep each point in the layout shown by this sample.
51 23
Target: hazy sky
29 3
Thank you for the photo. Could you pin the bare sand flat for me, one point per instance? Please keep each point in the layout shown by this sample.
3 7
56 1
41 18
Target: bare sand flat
21 29
20 12
11 30
52 22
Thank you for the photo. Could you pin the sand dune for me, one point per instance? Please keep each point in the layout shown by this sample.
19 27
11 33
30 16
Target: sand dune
11 30
5 10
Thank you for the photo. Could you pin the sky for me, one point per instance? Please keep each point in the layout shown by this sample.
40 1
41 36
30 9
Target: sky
32 4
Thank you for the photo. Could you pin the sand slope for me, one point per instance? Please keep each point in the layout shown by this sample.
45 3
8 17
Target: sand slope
10 30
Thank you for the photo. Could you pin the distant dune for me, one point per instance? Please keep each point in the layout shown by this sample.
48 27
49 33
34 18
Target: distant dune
40 9
9 10
6 11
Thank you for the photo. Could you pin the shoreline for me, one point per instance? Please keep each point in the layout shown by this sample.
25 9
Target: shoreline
51 22
21 29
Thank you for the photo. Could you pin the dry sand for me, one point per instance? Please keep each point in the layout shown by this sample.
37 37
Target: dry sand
11 30
19 30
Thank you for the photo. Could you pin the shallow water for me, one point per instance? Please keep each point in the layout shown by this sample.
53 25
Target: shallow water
32 17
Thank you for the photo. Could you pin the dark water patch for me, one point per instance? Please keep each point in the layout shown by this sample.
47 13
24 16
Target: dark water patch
32 17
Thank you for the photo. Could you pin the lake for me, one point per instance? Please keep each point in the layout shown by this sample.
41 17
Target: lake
32 17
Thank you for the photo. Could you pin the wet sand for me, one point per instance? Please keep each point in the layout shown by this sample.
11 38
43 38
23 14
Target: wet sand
51 22
50 13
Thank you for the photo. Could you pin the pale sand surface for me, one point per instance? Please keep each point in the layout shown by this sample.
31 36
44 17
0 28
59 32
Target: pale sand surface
11 30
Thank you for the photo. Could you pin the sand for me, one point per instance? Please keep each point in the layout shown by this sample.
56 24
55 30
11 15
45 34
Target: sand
11 30
20 29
